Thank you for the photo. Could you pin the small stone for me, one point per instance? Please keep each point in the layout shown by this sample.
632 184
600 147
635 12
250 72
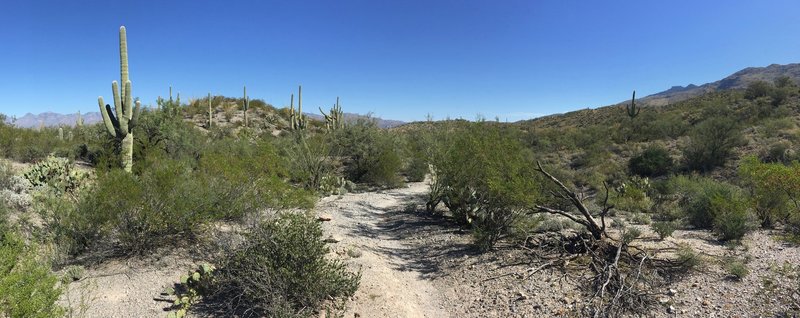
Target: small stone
672 292
706 302
695 284
521 296
537 306
324 218
670 309
663 300
356 315
331 239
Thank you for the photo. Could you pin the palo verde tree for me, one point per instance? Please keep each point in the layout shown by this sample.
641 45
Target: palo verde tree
121 124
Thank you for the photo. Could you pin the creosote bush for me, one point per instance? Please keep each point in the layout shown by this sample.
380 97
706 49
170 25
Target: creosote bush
279 271
652 162
485 177
370 155
27 287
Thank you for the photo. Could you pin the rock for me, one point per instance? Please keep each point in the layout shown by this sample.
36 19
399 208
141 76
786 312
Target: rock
537 306
356 315
663 300
521 296
324 218
332 239
672 292
706 302
670 309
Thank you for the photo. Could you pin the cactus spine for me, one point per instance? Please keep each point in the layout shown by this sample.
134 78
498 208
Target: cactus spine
297 118
631 108
210 112
334 118
121 125
246 105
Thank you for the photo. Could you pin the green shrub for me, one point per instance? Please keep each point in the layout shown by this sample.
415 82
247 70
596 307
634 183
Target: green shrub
687 257
664 229
774 189
712 143
485 177
731 216
280 271
371 154
27 287
310 160
758 89
697 194
652 162
737 269
632 196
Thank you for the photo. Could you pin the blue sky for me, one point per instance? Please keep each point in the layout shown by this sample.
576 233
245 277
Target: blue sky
397 59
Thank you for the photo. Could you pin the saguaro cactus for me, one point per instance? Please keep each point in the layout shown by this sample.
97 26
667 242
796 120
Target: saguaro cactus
79 121
334 118
297 118
631 108
210 112
245 106
120 125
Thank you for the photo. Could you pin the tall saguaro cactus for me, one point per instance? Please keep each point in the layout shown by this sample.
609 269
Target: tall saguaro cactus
210 112
246 106
120 125
631 108
334 118
298 120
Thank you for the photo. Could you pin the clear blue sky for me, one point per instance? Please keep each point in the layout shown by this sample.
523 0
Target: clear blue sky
397 59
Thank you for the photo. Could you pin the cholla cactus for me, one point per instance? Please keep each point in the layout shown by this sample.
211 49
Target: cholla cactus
334 119
121 125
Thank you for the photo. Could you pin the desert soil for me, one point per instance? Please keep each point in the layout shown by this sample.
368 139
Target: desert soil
417 265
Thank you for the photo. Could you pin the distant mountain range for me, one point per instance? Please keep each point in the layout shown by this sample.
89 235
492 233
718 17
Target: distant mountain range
738 80
51 119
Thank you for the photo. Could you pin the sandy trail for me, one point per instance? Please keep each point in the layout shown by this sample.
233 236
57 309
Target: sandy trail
393 283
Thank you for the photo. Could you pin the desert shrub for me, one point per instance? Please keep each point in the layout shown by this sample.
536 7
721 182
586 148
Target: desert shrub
310 160
28 145
688 257
418 148
758 89
652 162
711 143
780 151
27 287
774 190
664 229
696 195
486 178
371 154
632 196
6 172
731 216
280 271
737 269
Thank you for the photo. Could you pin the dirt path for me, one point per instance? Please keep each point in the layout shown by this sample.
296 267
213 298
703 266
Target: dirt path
394 282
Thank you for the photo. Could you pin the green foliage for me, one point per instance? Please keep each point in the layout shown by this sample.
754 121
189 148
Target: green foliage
310 159
737 269
712 143
652 162
664 229
731 216
688 257
758 89
371 155
280 271
632 196
774 190
187 292
57 173
696 195
485 177
27 287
